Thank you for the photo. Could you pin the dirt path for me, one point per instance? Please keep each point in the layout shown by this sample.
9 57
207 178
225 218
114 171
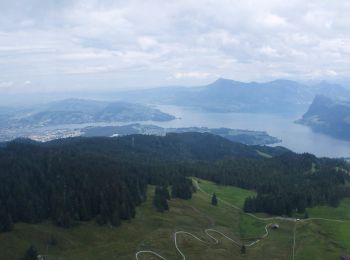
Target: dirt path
237 243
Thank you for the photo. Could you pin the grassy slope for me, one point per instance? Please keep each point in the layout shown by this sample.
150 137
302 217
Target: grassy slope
154 231
325 239
278 245
233 195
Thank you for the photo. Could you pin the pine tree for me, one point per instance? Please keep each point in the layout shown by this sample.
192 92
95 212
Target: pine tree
115 221
243 249
31 253
166 192
160 199
6 223
182 188
103 216
249 205
214 200
52 241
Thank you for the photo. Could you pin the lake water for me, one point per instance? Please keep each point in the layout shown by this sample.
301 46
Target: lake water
296 137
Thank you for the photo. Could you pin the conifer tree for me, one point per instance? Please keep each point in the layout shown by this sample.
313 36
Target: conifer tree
6 223
160 199
166 192
31 253
214 200
243 249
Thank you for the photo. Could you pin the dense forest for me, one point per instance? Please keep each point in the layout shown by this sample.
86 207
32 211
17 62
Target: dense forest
80 179
161 197
286 183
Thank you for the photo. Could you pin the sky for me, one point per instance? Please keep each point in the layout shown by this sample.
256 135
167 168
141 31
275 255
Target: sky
76 45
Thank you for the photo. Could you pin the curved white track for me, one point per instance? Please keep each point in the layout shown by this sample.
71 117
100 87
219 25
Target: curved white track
216 241
207 232
148 252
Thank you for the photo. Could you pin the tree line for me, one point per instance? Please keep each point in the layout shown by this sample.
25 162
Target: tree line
81 179
77 180
285 184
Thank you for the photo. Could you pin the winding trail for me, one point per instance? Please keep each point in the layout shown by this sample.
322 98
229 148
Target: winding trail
216 241
148 252
273 218
325 219
207 232
239 244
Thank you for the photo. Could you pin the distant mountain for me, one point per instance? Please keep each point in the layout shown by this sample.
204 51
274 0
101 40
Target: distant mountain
79 111
328 116
235 135
330 90
224 95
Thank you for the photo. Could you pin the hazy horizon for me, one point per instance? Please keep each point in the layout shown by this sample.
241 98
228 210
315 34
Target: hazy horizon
14 97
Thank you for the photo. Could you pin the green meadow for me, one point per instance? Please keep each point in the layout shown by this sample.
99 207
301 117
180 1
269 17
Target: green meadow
150 230
323 238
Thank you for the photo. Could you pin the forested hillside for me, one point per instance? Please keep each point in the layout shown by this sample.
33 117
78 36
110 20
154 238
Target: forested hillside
79 179
328 116
285 184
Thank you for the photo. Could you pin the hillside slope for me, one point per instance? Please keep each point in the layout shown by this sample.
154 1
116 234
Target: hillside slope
80 111
328 116
225 95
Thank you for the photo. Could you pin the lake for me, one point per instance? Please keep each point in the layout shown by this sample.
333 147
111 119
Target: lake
296 137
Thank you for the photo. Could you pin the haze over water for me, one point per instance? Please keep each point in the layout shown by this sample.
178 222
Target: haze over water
296 137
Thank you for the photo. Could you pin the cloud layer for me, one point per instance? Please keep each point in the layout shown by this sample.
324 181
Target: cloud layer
90 44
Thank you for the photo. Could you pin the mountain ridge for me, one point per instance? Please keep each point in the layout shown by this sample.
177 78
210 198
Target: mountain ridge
226 95
328 116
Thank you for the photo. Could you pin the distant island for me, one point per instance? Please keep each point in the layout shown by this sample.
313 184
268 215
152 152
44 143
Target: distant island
236 135
331 117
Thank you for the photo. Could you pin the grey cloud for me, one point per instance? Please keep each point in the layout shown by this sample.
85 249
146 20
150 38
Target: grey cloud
128 43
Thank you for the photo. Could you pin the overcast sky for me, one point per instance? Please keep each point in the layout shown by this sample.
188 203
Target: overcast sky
97 44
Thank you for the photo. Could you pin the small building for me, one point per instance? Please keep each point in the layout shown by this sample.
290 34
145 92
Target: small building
275 226
344 257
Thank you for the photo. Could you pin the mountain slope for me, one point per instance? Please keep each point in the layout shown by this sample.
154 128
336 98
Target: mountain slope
79 111
224 95
328 116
